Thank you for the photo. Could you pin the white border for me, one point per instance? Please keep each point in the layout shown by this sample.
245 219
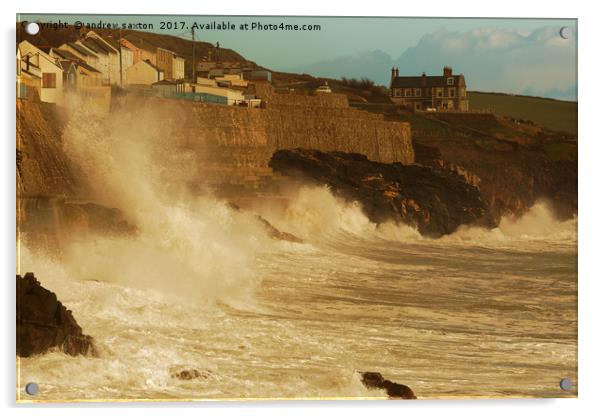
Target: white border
590 152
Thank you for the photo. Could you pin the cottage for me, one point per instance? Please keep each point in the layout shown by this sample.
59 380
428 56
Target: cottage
142 50
441 93
171 64
29 77
76 72
112 55
83 53
143 73
37 70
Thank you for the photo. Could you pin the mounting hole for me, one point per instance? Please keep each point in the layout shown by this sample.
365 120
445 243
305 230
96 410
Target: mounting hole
566 384
32 28
32 389
565 32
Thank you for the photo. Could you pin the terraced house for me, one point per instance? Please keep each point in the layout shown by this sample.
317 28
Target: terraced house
445 92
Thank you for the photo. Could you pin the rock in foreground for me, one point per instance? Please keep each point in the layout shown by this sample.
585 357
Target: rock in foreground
394 390
43 322
436 203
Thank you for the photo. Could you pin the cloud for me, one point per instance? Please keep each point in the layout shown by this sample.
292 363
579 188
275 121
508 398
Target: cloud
499 60
538 62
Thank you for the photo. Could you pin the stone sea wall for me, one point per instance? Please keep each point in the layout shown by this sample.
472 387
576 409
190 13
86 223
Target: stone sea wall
235 144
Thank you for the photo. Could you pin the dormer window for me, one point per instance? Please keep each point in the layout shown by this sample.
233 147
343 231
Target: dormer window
450 81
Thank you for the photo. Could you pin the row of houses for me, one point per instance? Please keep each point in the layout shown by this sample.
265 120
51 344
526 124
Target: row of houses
92 64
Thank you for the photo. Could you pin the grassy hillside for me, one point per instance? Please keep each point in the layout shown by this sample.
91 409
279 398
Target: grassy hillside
553 114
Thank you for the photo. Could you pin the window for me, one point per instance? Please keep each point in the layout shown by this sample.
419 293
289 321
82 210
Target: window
397 92
48 80
450 81
452 92
408 92
417 92
439 92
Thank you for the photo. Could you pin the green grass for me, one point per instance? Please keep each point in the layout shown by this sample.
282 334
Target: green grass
552 114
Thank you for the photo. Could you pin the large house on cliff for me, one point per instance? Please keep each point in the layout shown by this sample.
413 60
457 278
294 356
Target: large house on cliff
445 92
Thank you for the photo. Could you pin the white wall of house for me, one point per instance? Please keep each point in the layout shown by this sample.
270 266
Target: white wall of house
178 67
102 63
127 60
52 74
141 73
112 58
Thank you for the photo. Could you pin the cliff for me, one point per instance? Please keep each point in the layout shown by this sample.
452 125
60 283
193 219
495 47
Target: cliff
433 202
512 164
42 166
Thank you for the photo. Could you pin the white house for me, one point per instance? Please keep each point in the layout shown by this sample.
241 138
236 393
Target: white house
51 74
112 53
82 53
102 53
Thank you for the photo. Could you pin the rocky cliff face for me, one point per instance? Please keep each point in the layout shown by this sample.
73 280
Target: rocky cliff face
513 166
42 166
43 322
436 203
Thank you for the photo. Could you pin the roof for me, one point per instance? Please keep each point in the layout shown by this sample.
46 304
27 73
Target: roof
100 44
69 56
65 54
108 42
92 44
152 65
423 81
90 68
81 49
112 41
142 44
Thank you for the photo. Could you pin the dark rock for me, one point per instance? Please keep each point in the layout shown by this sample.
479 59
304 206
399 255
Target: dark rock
182 373
273 232
436 203
394 390
43 322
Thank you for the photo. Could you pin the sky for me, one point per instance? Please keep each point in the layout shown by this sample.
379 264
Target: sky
521 56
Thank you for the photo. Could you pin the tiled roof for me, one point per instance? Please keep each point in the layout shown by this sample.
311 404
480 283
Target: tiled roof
88 67
142 44
90 44
65 54
423 81
81 49
101 45
68 56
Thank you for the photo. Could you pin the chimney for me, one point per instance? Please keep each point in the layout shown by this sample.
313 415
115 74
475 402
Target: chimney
396 72
423 79
447 71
